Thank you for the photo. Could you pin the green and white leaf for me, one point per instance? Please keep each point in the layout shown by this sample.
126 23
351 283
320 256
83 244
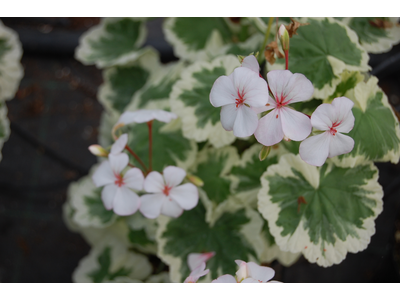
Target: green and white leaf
122 82
233 235
342 205
170 147
374 39
115 41
196 39
162 277
190 101
245 175
349 80
272 251
85 200
4 126
251 45
112 261
155 93
11 71
321 51
142 233
376 131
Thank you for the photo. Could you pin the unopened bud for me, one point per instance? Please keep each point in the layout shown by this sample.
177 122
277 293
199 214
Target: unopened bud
283 35
98 150
265 150
195 180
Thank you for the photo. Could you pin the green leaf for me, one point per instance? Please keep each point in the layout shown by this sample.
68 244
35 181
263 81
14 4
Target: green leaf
336 214
139 237
96 207
115 41
190 100
348 83
225 236
321 51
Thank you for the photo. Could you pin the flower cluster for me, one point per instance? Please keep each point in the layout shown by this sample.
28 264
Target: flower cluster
166 195
244 94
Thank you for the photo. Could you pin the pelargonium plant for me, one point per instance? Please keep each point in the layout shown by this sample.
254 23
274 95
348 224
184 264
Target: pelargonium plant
257 145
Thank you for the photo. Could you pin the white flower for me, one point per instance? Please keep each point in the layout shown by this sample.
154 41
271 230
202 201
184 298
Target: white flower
196 259
117 193
168 198
236 94
284 121
248 273
333 119
145 115
197 273
251 63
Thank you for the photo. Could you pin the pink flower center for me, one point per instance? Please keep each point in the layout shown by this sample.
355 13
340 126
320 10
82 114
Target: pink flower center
280 101
166 190
119 180
240 99
332 129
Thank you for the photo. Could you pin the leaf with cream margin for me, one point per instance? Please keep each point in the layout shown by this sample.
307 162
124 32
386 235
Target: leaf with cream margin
85 199
336 216
169 145
233 233
196 39
245 175
374 38
272 251
4 126
155 93
212 166
115 41
122 82
190 100
316 53
112 261
376 131
142 233
11 70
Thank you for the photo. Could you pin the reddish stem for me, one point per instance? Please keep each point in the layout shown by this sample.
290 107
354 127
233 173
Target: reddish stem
137 158
287 59
149 124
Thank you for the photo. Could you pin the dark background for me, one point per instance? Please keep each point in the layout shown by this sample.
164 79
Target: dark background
55 117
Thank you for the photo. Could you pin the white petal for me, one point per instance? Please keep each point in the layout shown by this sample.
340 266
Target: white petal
171 209
173 175
246 122
196 259
259 272
277 81
225 279
243 272
126 202
340 144
119 144
323 117
251 63
164 116
295 125
151 205
133 178
108 194
199 271
228 116
146 115
127 117
223 92
269 130
270 105
118 162
315 149
298 88
154 183
344 114
103 174
186 195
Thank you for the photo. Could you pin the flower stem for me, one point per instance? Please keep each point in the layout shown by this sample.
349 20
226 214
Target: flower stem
137 158
264 44
149 124
287 59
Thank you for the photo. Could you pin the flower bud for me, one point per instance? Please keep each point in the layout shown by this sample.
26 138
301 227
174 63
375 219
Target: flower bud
98 150
195 180
283 35
264 152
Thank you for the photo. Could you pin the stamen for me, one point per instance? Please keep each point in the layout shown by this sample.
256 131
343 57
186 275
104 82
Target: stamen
119 180
166 190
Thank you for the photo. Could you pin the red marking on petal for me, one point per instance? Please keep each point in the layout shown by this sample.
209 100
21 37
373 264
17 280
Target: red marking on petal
166 190
119 180
324 249
305 247
276 116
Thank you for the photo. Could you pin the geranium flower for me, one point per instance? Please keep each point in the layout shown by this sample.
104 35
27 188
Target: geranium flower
117 193
283 121
236 94
333 119
248 273
168 198
251 63
197 273
196 259
145 115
